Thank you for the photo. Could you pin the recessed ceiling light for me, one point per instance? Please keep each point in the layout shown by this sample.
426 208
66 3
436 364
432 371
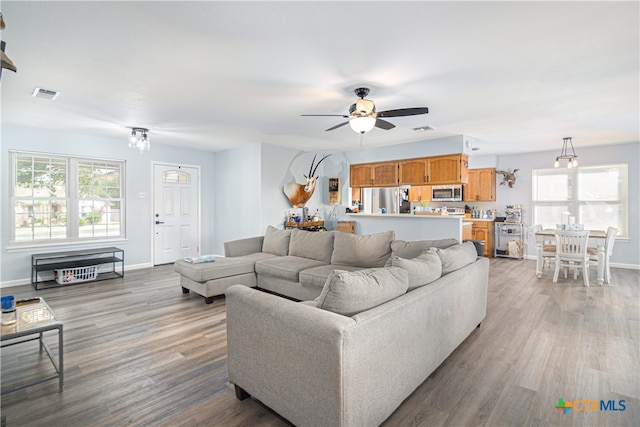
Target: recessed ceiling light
45 93
423 128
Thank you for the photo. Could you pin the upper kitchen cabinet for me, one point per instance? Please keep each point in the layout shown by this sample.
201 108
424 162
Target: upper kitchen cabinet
361 175
451 169
481 186
382 174
413 171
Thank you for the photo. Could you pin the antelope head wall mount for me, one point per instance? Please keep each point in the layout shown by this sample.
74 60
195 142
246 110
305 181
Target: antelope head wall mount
299 194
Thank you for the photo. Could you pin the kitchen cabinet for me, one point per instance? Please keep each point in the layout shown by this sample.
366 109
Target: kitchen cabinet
381 174
413 171
483 230
451 169
420 193
361 175
481 186
467 233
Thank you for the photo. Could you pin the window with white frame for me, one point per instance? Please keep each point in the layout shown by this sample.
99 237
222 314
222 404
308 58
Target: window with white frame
57 199
596 196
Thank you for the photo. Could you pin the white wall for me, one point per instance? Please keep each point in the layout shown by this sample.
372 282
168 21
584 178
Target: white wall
249 183
15 265
237 190
433 147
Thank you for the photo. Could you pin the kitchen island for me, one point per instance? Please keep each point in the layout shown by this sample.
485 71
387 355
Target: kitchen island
409 226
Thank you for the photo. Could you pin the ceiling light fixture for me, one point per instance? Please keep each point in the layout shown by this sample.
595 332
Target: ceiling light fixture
564 154
362 124
140 139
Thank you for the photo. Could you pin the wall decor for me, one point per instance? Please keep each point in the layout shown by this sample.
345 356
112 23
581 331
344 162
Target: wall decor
508 177
299 194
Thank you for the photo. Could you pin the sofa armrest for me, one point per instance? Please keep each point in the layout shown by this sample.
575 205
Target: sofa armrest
287 355
240 247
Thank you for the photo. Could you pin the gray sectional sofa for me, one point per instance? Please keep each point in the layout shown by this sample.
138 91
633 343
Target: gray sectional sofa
368 340
293 263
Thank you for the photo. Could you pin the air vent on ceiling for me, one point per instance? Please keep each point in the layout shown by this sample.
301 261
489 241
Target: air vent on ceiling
45 93
423 128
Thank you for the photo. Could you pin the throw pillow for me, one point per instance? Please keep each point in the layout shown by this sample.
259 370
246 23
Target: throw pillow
350 292
276 241
422 269
366 251
311 244
408 250
457 256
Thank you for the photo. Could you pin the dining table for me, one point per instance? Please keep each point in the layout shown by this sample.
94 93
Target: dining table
598 237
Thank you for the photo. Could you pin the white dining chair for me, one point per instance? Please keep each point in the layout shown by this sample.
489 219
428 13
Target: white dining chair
548 248
571 252
608 250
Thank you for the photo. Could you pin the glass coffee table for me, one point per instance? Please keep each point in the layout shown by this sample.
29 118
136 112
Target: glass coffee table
34 317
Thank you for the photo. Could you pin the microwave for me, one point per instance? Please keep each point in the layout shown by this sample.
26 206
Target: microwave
446 193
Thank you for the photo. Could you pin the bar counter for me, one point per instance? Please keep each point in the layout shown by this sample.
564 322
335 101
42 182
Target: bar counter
409 226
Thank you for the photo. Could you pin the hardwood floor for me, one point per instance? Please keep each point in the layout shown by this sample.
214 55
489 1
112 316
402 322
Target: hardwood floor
139 352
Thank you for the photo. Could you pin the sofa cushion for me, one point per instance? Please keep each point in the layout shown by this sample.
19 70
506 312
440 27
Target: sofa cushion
316 277
457 256
285 267
222 267
350 292
312 245
423 269
408 250
366 251
276 241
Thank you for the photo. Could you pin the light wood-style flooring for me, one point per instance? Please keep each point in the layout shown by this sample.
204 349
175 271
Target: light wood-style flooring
139 352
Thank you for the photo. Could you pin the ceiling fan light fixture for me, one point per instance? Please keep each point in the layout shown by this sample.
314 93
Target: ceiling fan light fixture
364 106
362 124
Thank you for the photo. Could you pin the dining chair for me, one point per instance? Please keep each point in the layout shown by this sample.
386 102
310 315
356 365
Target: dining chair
548 248
608 250
571 252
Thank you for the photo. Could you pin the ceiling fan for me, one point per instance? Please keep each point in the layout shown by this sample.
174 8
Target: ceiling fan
363 115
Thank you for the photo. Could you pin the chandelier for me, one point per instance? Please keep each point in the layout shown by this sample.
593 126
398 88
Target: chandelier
140 139
565 155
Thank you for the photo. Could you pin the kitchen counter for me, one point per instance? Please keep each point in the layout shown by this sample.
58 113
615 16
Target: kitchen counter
479 219
407 215
410 227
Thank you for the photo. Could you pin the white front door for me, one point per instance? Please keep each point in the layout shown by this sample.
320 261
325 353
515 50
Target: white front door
175 201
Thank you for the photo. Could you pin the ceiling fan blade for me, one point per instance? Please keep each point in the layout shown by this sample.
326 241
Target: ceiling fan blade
403 112
336 126
383 124
324 115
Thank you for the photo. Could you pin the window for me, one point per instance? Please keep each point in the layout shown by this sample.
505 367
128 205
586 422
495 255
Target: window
595 195
65 199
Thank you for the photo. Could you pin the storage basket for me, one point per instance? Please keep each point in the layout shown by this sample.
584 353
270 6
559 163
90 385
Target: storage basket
76 274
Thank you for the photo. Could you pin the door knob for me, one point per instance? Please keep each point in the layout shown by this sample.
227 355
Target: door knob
159 222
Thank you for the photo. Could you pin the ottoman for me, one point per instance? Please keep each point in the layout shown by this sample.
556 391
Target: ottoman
211 279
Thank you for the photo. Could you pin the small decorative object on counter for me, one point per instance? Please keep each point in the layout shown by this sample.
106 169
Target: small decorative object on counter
8 310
